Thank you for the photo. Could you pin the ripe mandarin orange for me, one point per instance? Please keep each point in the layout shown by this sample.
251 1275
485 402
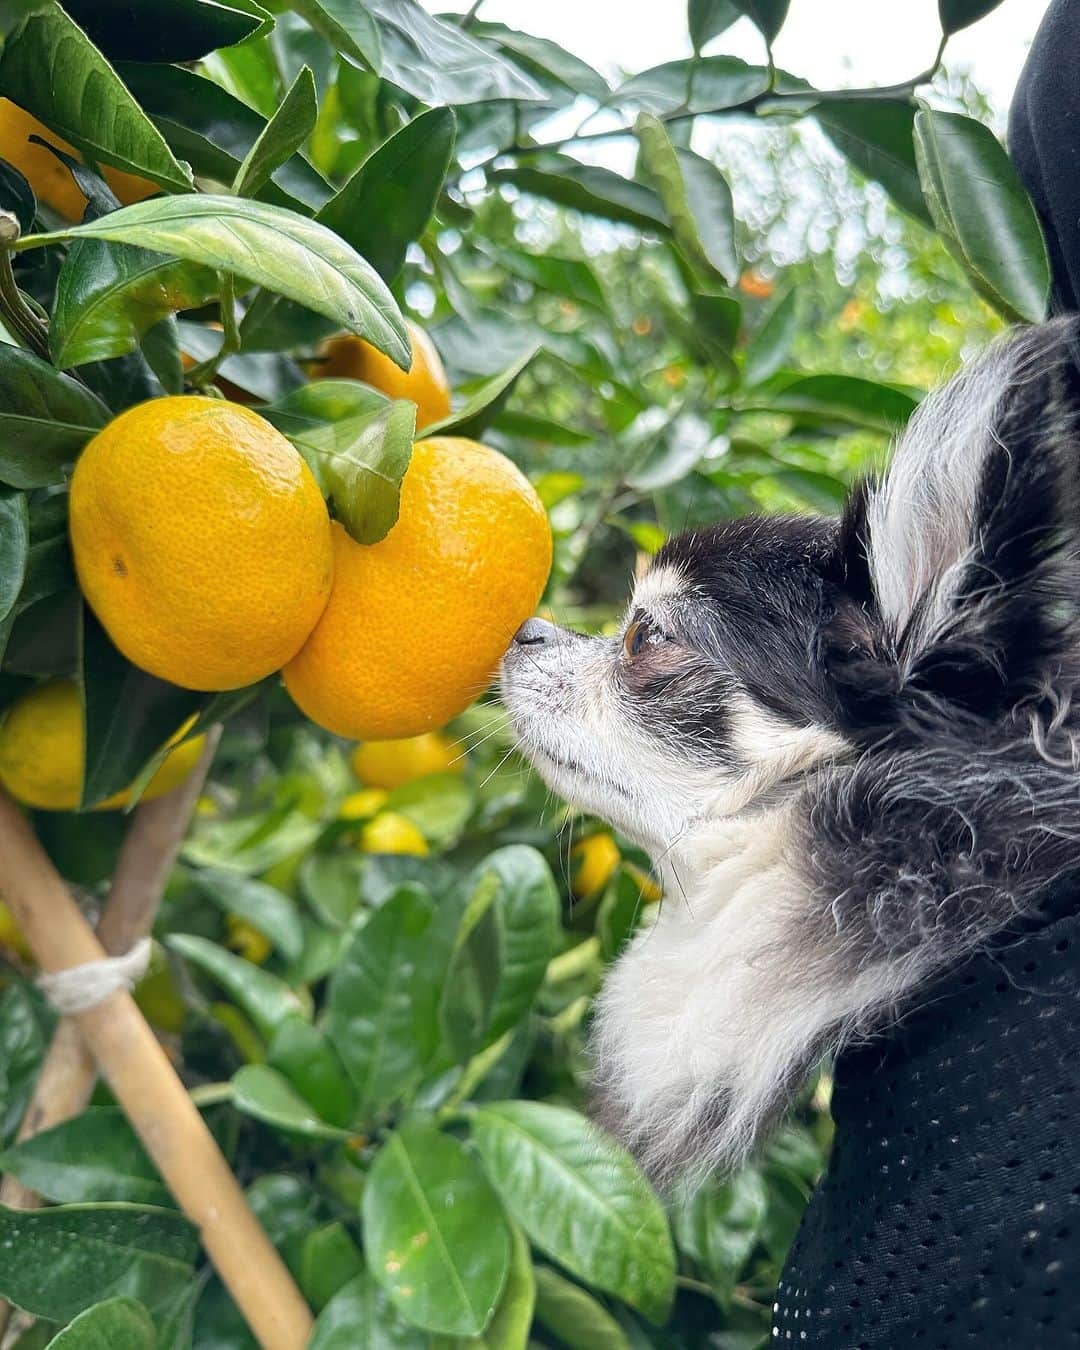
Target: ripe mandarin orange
425 381
416 623
201 541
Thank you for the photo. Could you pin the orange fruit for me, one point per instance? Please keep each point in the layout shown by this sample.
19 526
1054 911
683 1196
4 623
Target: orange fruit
416 623
391 833
389 764
424 383
593 861
201 541
43 748
49 176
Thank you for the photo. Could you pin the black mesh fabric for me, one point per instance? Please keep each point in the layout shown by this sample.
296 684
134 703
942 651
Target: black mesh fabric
949 1216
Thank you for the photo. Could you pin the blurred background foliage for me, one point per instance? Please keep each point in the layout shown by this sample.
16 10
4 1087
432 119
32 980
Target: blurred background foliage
362 1025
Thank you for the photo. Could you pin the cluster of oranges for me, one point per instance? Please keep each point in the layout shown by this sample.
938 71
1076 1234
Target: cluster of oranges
203 544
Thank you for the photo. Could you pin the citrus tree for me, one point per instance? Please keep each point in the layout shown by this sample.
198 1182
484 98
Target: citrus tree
321 348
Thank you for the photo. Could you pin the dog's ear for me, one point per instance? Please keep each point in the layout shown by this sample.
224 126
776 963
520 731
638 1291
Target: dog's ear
958 572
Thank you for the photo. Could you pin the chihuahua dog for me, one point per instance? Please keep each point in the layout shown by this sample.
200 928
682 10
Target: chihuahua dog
850 747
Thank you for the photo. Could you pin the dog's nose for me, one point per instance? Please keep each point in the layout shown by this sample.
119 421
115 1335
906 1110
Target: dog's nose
535 632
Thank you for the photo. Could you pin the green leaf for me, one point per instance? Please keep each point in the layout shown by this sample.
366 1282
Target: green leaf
330 883
389 200
267 1095
360 1317
349 28
130 715
588 188
359 464
329 1259
707 19
14 547
382 1001
844 398
321 401
696 197
265 245
768 348
509 1328
164 30
49 566
473 973
385 206
45 419
543 59
264 907
718 1224
957 14
768 15
17 196
93 1156
266 999
706 85
877 137
304 1055
436 61
671 452
981 207
580 1198
114 1324
434 1232
109 295
52 69
574 1316
572 277
282 136
86 1253
214 131
482 407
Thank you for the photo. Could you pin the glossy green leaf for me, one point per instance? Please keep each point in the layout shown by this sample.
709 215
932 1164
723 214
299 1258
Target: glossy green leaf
25 1028
572 277
302 1053
957 14
264 907
574 1316
86 1253
349 28
527 910
670 452
696 197
543 59
434 1232
382 1001
45 419
580 1198
979 204
265 998
360 1317
437 61
483 406
588 188
109 295
707 19
843 398
52 69
265 245
14 547
770 345
385 206
321 401
282 136
877 137
49 566
330 883
509 1328
93 1156
359 464
768 15
248 72
473 973
329 1260
718 1224
164 30
17 196
262 1092
709 84
113 1324
214 131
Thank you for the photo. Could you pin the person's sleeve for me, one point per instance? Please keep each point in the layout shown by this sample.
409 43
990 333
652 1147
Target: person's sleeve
1044 141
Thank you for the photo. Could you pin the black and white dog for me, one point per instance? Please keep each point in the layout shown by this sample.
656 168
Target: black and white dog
851 748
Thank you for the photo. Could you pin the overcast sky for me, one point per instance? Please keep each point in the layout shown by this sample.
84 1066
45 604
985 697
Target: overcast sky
830 42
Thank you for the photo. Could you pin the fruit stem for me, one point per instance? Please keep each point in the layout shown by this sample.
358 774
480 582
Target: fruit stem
17 314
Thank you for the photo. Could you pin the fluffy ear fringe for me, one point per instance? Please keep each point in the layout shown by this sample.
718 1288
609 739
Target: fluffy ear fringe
959 571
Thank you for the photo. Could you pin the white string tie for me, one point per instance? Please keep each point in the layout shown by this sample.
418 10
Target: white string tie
81 987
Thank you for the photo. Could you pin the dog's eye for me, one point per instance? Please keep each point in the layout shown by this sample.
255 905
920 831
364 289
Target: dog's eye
638 635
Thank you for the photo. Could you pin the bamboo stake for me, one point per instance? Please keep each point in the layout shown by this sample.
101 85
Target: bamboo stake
152 1096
